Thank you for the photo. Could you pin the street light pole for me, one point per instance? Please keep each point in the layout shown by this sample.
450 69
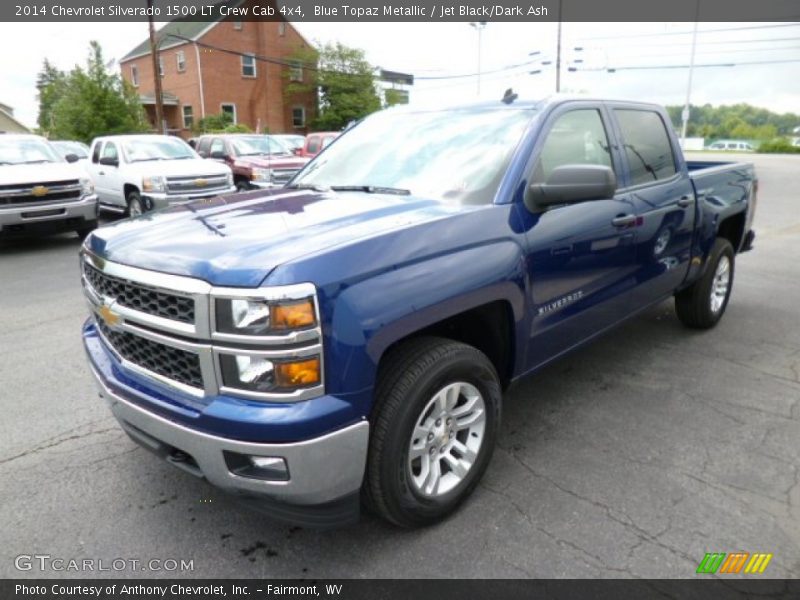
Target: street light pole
558 50
685 112
479 28
156 73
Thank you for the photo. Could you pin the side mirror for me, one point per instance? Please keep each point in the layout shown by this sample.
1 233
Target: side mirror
111 162
71 158
569 184
218 155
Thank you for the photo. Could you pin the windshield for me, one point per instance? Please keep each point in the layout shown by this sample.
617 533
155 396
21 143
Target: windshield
456 156
75 148
26 151
254 145
157 148
292 141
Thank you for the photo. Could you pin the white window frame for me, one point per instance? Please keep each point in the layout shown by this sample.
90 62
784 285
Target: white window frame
180 61
255 68
282 28
296 71
134 75
303 112
191 116
232 105
238 25
161 69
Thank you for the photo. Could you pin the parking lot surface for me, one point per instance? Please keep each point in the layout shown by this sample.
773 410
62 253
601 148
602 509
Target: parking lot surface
632 457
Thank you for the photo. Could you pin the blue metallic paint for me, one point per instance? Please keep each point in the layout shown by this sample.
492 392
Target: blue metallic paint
387 266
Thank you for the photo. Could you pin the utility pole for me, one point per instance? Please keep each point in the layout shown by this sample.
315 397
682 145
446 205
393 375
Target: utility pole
479 28
156 73
685 113
558 50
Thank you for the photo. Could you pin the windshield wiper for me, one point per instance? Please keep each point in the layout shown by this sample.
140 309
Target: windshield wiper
35 162
308 186
370 189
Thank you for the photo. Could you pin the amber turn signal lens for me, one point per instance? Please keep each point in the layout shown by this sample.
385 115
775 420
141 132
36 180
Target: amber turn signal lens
293 316
295 374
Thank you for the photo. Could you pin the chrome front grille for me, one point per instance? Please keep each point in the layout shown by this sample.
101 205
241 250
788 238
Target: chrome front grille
172 363
283 175
200 184
160 326
41 194
141 298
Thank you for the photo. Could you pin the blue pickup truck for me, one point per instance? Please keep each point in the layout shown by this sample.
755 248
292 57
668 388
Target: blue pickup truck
346 340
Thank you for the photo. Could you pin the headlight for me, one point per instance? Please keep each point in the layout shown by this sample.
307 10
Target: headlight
257 374
157 183
261 175
87 187
248 316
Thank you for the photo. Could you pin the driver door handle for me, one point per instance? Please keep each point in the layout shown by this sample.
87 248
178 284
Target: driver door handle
685 201
623 220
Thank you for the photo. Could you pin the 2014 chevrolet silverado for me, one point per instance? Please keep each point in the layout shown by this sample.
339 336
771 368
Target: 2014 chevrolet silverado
349 337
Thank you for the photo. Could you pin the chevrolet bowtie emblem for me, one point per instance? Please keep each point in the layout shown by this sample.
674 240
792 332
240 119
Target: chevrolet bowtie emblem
39 191
109 317
200 182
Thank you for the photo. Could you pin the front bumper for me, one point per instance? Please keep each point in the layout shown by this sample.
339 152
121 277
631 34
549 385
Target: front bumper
56 216
162 200
325 473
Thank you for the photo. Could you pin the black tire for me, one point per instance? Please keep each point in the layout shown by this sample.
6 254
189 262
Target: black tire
409 378
86 229
242 185
694 305
132 200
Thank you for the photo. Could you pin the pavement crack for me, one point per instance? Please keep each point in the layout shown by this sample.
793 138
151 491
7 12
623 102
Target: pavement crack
56 442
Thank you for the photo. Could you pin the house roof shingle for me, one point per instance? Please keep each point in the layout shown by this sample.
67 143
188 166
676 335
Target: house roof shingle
184 29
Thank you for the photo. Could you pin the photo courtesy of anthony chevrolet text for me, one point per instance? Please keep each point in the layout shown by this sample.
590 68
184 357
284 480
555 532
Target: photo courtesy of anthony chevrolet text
399 299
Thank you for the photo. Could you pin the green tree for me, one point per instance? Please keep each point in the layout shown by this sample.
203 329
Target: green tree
95 102
50 83
342 79
221 123
735 121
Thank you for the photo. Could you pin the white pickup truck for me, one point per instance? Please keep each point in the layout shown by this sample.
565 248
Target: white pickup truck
138 173
41 192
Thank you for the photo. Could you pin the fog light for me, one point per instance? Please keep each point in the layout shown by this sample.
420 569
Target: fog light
267 468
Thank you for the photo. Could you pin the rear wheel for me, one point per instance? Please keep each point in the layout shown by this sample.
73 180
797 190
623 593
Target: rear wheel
242 185
702 304
433 430
135 204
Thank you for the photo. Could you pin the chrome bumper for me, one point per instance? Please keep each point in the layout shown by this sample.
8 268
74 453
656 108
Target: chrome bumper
160 200
321 470
85 208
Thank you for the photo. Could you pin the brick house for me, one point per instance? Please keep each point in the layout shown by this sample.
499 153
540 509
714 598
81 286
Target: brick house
209 68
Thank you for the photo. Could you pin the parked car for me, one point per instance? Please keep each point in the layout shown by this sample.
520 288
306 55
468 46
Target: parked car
257 161
350 336
137 173
731 146
42 191
315 142
295 143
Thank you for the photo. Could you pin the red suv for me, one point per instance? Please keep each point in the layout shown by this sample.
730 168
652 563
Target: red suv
257 161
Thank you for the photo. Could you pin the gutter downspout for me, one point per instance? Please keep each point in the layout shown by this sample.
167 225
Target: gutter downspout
200 80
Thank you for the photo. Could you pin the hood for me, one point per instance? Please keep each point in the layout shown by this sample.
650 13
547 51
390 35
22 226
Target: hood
237 240
41 173
272 162
193 167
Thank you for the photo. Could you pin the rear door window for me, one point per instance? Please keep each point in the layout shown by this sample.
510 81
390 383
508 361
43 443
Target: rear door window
313 144
647 145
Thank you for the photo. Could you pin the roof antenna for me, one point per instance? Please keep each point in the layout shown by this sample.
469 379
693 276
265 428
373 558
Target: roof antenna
509 96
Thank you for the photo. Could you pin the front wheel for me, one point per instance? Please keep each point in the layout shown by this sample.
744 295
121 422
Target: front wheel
434 427
703 303
135 204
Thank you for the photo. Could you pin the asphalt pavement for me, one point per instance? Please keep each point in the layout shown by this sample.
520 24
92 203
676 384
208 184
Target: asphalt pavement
632 457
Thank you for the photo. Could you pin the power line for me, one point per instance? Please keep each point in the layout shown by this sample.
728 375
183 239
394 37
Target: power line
652 67
702 31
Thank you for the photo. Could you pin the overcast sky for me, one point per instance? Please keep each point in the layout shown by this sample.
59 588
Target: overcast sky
445 49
